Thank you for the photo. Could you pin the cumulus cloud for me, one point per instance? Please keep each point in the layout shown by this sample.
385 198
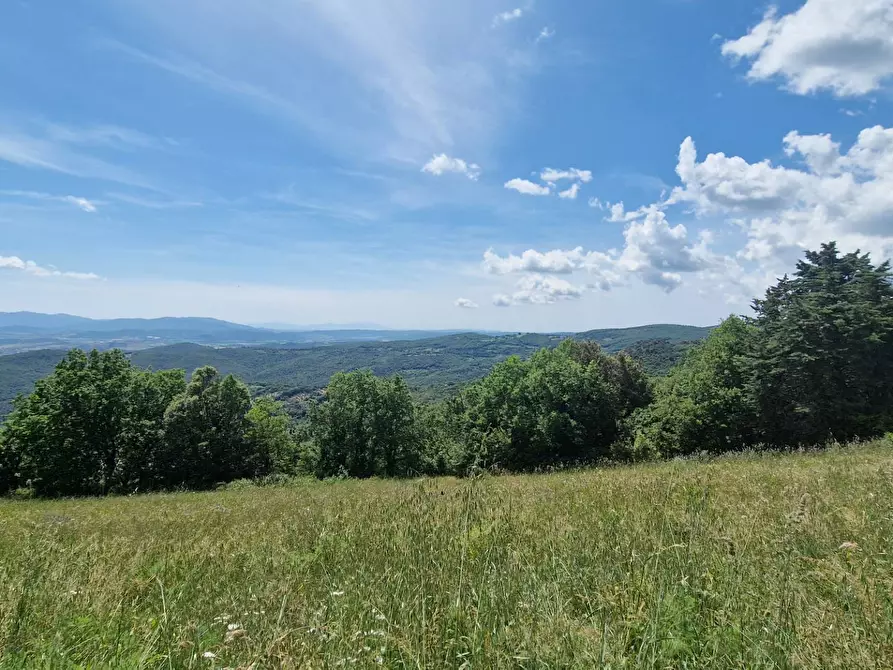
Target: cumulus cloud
571 193
556 261
654 252
32 268
510 15
552 175
847 197
465 303
527 187
844 46
441 163
550 178
537 289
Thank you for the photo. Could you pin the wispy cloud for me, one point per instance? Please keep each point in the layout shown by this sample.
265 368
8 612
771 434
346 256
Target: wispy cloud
465 303
545 34
153 203
106 135
32 268
364 78
40 151
82 203
507 16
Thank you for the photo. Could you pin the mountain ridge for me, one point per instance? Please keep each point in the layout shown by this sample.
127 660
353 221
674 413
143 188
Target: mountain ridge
432 366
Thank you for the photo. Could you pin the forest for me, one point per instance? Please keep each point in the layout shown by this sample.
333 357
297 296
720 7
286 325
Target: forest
813 363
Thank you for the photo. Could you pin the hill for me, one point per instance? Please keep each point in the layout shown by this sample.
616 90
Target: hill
29 331
433 367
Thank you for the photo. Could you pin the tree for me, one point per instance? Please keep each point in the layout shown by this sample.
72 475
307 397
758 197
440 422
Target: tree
64 437
141 441
270 439
703 404
205 432
823 367
566 405
366 427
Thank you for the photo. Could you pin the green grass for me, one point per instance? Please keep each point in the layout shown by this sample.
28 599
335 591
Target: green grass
735 563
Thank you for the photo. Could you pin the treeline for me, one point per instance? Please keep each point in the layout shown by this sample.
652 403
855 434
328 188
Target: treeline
813 363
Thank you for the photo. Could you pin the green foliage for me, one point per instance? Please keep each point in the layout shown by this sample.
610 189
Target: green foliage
434 368
366 427
99 425
565 405
269 433
67 437
206 432
703 404
823 368
815 362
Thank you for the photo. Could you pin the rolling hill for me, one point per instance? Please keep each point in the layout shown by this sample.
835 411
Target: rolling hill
433 366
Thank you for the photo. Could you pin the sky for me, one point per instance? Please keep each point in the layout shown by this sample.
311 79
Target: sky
481 164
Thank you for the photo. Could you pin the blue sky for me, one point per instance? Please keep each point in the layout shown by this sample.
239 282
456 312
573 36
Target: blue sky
419 163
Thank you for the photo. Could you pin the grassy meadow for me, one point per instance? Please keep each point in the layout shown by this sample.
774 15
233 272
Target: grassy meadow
742 562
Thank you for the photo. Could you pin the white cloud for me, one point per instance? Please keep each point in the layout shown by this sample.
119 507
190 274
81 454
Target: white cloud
510 15
556 261
846 197
545 34
32 268
571 193
465 303
844 46
552 175
441 163
527 187
536 289
82 203
655 252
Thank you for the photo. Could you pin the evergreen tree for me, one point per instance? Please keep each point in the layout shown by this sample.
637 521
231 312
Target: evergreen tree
823 367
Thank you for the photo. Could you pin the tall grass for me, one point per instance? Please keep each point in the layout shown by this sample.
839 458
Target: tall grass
744 562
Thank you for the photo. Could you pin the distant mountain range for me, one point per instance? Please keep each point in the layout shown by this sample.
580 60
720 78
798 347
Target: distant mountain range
29 331
433 366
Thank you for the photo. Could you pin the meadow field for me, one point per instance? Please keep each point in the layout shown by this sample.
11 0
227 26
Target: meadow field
751 561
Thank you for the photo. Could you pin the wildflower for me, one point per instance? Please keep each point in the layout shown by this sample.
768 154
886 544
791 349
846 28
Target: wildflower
210 655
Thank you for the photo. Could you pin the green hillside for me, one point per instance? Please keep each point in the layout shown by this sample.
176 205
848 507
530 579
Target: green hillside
432 367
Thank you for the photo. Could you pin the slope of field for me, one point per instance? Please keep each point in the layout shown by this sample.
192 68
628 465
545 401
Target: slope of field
744 562
431 366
